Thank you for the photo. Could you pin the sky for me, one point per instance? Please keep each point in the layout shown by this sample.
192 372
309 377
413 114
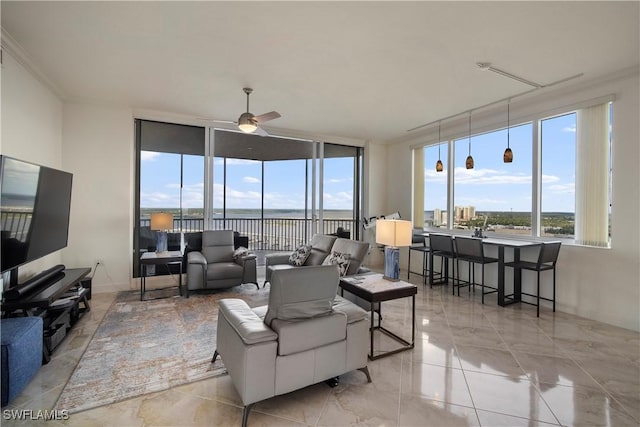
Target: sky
491 186
284 183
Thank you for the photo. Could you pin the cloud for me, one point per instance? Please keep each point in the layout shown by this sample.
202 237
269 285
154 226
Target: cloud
465 176
251 180
242 162
192 197
569 188
478 201
546 179
434 176
148 156
339 180
339 200
570 128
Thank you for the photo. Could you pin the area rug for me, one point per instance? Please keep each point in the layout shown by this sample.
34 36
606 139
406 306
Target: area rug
143 347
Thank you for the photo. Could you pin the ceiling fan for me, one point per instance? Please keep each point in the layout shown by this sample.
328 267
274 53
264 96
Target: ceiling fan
248 123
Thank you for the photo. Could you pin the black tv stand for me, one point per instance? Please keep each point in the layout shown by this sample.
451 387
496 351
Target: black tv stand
57 302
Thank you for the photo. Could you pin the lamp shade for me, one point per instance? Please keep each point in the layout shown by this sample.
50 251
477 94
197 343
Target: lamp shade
161 221
393 232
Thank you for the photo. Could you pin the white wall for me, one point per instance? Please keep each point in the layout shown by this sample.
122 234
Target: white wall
31 131
601 284
98 147
375 194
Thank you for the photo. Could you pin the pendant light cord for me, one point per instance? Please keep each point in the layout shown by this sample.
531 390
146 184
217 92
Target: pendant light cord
439 141
469 132
508 103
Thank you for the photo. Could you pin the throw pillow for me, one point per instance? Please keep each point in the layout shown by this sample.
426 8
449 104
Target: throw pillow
300 255
339 259
240 252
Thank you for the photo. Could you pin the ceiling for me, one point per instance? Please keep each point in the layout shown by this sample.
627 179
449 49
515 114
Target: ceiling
365 70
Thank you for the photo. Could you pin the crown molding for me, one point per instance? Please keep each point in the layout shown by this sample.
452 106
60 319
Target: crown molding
17 52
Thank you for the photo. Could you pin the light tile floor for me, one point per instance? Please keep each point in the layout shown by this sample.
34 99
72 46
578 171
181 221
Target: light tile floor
472 365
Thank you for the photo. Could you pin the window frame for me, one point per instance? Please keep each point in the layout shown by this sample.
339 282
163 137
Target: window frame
535 120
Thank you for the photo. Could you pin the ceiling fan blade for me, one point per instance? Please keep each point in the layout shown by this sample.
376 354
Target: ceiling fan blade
209 119
267 116
261 132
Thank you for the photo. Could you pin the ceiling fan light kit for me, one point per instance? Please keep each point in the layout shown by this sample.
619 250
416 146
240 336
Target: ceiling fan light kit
248 123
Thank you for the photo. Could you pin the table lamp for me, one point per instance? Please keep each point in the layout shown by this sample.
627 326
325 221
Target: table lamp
393 233
161 222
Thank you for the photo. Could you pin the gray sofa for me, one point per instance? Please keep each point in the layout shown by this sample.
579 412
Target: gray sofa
307 334
215 266
321 246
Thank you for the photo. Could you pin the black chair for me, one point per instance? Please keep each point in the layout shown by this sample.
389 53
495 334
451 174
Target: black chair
441 245
471 250
547 259
419 244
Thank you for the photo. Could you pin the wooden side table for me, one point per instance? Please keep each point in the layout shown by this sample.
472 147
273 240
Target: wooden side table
374 289
158 258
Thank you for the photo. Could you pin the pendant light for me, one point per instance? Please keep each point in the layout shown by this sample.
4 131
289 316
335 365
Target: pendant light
508 154
439 165
469 162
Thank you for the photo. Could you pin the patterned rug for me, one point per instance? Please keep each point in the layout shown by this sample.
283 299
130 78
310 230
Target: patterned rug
148 346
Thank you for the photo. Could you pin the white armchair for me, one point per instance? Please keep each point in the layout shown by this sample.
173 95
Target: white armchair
307 334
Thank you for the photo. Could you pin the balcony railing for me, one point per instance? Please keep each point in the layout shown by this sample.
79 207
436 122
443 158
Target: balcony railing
268 234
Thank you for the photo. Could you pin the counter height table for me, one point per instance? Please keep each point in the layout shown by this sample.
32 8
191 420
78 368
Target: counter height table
516 245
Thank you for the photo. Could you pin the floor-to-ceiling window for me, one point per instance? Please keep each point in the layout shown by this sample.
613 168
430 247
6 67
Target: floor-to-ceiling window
278 174
265 188
341 189
170 177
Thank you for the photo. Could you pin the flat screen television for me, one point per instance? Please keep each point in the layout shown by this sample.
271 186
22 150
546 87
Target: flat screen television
34 212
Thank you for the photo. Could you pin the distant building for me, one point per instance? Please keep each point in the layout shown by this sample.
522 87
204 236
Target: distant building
464 213
439 218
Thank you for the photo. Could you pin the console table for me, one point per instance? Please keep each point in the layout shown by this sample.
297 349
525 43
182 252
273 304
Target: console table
374 289
159 258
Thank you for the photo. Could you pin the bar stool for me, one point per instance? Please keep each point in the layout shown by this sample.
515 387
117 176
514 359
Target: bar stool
547 258
441 246
419 244
471 250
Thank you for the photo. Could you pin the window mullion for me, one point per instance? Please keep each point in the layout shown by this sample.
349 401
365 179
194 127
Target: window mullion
536 179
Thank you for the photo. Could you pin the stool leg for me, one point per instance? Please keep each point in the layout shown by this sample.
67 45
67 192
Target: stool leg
554 288
538 297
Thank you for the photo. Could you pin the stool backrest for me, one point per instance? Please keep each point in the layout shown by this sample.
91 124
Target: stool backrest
549 253
469 247
417 237
441 243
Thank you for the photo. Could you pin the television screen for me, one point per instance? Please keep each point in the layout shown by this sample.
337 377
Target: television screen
34 211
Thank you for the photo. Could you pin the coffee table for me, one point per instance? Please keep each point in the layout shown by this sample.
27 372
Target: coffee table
156 258
374 289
